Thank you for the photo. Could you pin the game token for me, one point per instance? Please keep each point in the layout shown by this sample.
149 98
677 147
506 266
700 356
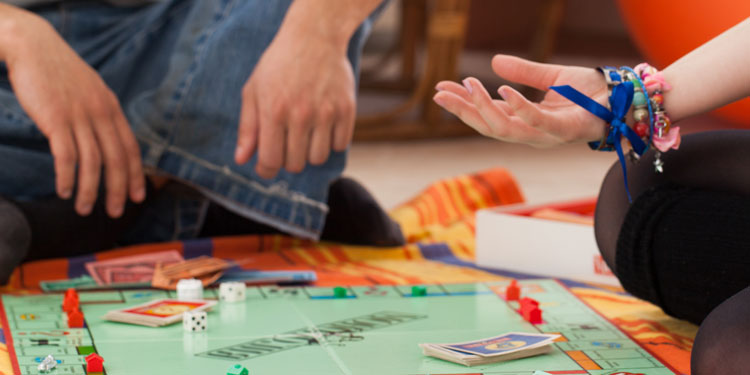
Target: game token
75 319
512 292
232 291
70 302
70 292
339 292
94 363
47 364
237 370
189 290
530 311
418 291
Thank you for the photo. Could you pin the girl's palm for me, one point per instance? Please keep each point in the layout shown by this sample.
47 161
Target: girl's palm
554 120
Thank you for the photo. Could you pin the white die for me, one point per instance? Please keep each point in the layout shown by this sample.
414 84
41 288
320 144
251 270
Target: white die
232 291
189 290
194 321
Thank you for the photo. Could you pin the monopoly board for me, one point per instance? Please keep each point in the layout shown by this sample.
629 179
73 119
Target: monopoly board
306 330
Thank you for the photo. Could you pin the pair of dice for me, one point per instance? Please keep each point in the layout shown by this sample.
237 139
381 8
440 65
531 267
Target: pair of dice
192 290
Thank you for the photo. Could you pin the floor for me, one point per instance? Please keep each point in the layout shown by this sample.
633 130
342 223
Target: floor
396 171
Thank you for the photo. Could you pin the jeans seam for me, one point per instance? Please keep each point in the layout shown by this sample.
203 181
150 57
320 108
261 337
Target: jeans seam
173 111
139 37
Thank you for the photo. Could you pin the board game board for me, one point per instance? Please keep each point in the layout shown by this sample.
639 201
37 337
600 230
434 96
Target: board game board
305 330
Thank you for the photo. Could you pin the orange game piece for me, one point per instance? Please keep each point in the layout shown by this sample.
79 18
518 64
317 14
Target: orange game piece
94 363
513 291
75 319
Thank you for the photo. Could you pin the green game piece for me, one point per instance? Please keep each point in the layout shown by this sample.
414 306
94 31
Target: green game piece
237 370
418 291
86 350
339 292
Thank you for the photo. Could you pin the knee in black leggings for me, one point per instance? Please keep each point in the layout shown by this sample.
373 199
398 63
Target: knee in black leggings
721 344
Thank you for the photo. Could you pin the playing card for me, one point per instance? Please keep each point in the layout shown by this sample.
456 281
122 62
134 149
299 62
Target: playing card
141 266
157 313
503 344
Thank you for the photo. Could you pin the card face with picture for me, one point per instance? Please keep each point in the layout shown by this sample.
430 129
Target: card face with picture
503 344
157 313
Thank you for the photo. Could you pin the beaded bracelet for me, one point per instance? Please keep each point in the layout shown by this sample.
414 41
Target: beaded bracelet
642 88
663 136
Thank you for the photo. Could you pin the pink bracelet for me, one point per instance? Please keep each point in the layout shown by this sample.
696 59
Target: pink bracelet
663 136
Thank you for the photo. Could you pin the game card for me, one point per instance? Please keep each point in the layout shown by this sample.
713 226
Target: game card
503 344
159 312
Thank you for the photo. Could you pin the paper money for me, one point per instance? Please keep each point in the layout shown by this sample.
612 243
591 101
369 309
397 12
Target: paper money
132 269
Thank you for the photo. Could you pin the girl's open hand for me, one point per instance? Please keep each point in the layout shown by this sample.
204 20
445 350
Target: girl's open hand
553 121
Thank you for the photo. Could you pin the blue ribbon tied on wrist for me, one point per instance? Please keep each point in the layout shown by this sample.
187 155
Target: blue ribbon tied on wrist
619 101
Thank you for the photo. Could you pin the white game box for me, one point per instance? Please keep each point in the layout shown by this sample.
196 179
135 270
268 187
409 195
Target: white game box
554 240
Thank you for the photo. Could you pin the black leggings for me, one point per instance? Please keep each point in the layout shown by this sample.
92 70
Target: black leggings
684 243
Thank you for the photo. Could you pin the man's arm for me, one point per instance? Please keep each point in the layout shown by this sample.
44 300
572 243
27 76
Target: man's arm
336 21
299 102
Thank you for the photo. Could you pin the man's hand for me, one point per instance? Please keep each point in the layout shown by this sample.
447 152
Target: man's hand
299 102
297 106
75 110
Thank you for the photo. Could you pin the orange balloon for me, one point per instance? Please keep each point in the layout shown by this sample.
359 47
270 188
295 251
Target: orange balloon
664 31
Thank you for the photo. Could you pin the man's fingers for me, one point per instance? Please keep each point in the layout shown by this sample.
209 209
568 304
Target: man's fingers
89 166
115 163
247 132
529 73
297 141
320 139
343 128
136 178
271 142
65 153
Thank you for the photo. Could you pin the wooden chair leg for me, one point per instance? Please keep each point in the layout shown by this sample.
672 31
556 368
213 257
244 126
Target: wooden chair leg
446 32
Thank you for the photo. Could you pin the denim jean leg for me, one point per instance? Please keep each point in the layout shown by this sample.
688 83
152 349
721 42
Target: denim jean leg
188 125
26 165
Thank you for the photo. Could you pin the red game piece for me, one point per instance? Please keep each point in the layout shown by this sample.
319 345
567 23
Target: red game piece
70 303
71 292
512 292
94 363
530 310
75 319
533 315
527 302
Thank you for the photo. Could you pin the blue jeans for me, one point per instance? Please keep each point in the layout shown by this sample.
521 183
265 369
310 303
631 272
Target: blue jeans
178 68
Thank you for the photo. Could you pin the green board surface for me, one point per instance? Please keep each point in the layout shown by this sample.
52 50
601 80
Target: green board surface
306 330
